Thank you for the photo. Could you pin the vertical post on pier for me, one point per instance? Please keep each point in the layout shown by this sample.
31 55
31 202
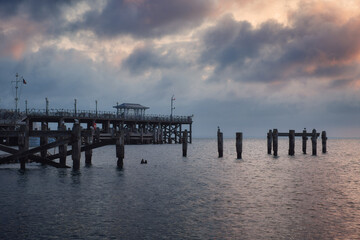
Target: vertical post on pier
120 150
190 126
141 135
239 138
184 143
275 142
314 142
89 140
24 143
43 139
323 138
304 140
220 143
76 145
291 142
269 141
62 148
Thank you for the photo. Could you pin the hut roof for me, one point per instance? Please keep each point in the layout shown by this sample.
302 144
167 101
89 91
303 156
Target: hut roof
130 106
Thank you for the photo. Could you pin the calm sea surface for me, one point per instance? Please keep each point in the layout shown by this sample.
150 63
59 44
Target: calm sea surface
198 197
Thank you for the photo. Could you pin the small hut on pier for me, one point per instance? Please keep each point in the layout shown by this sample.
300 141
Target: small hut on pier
130 109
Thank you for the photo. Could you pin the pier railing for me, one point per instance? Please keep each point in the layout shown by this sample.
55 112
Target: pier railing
11 114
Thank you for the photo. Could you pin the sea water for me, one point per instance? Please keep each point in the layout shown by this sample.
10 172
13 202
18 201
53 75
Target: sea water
197 197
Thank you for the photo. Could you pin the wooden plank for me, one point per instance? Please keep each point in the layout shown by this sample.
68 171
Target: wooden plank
296 134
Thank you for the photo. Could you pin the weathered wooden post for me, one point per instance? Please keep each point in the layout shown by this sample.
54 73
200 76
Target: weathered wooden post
323 138
239 138
184 143
120 150
76 145
314 142
62 148
304 140
275 142
89 140
291 142
43 139
24 143
269 141
220 143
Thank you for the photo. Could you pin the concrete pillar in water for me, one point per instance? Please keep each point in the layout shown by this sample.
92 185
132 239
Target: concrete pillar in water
304 140
220 143
275 142
291 142
76 146
184 143
323 138
314 142
269 141
239 138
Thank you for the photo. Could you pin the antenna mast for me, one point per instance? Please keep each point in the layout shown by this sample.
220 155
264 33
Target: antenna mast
17 80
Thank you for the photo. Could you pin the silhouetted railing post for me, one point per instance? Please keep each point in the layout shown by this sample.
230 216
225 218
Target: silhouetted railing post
304 140
220 143
269 141
185 143
323 138
314 142
275 142
291 142
239 138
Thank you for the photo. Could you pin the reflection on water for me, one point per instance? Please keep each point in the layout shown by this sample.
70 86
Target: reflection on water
198 197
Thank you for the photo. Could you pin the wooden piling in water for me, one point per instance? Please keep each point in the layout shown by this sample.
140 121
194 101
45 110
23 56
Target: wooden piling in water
89 141
76 146
314 142
269 141
185 143
239 138
220 143
120 150
44 139
275 142
291 142
63 147
23 142
304 140
323 138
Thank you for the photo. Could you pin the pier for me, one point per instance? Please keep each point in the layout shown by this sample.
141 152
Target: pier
89 130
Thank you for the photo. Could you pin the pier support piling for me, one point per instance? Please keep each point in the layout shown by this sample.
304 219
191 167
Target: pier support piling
220 143
89 141
185 143
275 142
239 138
120 150
323 138
269 141
291 142
304 140
314 142
76 146
24 144
63 147
43 139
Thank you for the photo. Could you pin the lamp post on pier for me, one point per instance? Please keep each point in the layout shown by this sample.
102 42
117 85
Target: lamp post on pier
172 107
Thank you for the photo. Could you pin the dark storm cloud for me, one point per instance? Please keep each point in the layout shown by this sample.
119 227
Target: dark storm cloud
312 46
37 10
142 18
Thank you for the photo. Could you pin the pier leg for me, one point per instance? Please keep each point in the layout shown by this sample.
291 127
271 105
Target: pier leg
88 153
62 148
291 142
190 125
120 150
43 140
275 142
323 138
184 143
239 138
220 143
76 146
304 140
269 141
314 142
24 144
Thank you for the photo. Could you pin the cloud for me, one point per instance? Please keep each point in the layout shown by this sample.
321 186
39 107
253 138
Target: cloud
315 44
143 18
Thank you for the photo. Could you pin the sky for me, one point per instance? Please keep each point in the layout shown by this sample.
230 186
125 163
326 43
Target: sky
244 65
